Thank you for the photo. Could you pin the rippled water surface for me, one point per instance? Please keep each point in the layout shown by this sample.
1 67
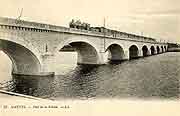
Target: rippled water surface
151 77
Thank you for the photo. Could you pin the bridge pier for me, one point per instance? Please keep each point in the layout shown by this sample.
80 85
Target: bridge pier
148 52
48 62
126 54
103 57
161 51
140 54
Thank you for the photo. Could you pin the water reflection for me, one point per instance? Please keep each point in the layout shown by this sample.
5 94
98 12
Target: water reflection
146 78
33 85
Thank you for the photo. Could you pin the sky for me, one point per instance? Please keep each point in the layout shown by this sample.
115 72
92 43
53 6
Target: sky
159 19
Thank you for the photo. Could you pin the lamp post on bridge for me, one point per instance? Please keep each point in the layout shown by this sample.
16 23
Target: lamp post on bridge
104 25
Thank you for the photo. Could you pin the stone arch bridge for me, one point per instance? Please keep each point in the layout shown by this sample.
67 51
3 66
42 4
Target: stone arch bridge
32 47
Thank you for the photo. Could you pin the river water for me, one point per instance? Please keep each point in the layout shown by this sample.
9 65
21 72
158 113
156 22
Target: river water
154 77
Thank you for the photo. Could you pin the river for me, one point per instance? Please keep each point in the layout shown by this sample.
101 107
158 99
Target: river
154 77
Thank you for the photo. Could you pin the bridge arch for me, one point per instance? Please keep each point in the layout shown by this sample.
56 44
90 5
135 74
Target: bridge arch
116 52
158 49
162 49
152 50
145 50
87 52
133 52
165 49
24 61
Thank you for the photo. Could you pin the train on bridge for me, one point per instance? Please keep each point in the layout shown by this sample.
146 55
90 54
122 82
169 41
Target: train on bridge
114 33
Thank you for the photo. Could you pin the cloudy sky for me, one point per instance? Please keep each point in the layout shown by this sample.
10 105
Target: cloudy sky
156 18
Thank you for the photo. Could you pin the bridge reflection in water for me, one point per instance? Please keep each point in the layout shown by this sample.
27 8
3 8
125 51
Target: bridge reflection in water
152 77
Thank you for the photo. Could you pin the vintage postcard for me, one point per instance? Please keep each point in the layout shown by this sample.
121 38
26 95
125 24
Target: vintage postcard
89 57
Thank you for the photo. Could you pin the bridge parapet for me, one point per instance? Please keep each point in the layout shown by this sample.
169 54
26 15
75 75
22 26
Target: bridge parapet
28 24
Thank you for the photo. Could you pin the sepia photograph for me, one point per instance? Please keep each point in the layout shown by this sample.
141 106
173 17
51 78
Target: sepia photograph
89 57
